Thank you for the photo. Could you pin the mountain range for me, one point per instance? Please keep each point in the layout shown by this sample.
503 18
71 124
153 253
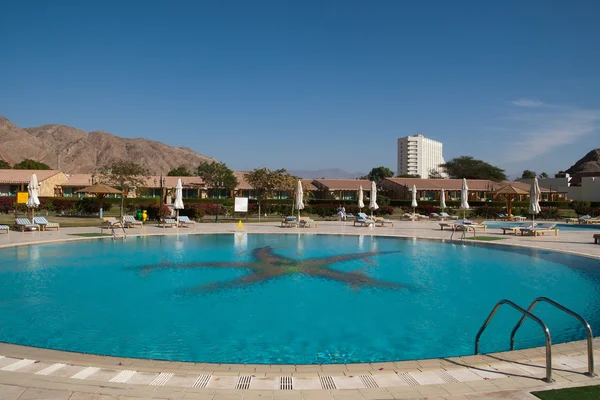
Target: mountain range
589 163
75 151
331 173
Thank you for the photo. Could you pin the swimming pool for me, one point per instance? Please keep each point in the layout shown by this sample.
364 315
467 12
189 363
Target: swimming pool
284 299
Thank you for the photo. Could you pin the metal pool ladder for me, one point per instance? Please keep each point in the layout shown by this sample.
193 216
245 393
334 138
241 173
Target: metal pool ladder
114 234
527 313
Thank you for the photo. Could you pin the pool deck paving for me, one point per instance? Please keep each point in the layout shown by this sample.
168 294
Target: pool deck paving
33 373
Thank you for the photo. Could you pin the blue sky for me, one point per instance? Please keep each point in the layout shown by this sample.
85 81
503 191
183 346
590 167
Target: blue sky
313 84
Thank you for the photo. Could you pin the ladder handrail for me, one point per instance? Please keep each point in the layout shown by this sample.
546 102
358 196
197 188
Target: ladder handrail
586 325
548 377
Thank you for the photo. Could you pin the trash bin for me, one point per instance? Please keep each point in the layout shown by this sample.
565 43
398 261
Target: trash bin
138 215
144 215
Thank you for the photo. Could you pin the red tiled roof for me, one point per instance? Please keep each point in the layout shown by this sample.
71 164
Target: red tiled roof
342 184
24 175
455 184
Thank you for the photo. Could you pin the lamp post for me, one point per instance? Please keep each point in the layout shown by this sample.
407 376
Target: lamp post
163 182
218 187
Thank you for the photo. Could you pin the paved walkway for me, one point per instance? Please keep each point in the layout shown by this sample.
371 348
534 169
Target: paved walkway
30 373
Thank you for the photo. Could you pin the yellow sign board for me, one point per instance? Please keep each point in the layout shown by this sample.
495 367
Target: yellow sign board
22 197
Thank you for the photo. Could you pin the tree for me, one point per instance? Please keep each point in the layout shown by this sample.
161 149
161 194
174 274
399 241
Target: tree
470 168
266 182
380 173
31 164
4 164
543 175
180 171
527 174
125 175
217 175
435 173
409 176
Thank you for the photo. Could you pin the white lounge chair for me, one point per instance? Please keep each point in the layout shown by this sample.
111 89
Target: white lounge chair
4 228
306 222
517 228
25 225
383 221
363 220
185 221
130 222
540 229
448 216
44 224
289 222
169 223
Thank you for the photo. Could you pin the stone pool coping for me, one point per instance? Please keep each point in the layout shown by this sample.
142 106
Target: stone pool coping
456 376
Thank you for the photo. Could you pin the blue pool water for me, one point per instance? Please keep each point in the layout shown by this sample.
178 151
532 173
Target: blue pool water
152 297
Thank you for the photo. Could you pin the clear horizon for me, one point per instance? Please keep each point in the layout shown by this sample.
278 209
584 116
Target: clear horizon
315 85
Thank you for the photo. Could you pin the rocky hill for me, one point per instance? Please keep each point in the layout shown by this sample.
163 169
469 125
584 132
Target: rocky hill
589 163
84 152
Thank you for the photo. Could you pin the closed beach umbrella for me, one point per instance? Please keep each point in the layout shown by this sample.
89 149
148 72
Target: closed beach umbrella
361 203
373 200
299 198
414 198
33 202
443 199
534 199
178 205
464 196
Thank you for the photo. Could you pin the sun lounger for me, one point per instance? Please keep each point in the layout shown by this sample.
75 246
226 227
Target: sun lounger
436 217
130 222
4 228
363 220
169 223
503 217
289 222
516 228
306 222
185 221
469 225
448 216
590 221
540 229
24 224
410 217
518 218
44 224
383 221
110 222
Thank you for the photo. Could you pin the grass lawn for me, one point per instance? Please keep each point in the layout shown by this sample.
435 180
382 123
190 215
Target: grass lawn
485 238
89 234
580 393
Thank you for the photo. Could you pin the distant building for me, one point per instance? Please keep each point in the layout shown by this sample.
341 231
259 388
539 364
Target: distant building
418 155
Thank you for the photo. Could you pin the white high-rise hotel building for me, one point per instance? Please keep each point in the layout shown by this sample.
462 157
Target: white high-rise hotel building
419 155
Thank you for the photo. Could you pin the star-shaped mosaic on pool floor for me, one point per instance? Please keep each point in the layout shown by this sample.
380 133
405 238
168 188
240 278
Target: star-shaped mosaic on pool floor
267 265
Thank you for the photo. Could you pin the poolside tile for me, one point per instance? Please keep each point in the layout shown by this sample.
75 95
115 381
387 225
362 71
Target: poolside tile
142 378
426 378
67 371
103 375
182 380
301 383
347 382
222 382
389 380
464 375
264 383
